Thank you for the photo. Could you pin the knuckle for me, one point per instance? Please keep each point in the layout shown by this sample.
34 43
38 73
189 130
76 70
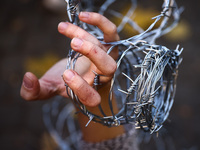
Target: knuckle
79 88
101 19
28 96
113 29
92 50
98 16
73 31
80 33
83 92
113 68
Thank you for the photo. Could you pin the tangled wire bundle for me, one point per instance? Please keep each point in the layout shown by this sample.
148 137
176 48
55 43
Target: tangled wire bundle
149 70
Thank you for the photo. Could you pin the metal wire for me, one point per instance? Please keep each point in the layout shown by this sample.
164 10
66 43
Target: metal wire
59 120
150 70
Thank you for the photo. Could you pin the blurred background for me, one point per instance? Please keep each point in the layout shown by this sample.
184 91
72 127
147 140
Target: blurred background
29 41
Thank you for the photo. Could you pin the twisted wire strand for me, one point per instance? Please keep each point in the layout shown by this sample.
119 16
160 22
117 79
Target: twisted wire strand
150 80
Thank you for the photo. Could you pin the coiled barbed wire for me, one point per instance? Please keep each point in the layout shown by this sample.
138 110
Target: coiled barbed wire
150 70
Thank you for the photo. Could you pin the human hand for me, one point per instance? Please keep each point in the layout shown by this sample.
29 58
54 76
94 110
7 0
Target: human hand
80 81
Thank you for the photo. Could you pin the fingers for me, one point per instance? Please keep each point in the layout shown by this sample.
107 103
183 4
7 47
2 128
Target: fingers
109 29
89 46
86 94
33 89
71 31
104 62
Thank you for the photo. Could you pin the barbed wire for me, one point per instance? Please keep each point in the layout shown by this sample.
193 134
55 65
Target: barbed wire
144 83
151 80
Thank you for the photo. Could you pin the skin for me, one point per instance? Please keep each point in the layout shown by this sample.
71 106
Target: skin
80 80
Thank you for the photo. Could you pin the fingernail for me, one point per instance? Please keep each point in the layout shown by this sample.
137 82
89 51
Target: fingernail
68 75
84 15
27 82
77 42
62 26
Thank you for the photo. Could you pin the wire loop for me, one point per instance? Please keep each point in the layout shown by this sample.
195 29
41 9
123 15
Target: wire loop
145 80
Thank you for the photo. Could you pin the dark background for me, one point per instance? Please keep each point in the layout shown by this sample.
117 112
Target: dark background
29 41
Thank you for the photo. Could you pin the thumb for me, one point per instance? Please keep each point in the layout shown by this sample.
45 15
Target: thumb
33 89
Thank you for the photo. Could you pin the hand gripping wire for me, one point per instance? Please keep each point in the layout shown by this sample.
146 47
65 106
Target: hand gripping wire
145 80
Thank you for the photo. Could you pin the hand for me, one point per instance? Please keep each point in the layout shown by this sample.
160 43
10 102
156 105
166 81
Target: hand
80 81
